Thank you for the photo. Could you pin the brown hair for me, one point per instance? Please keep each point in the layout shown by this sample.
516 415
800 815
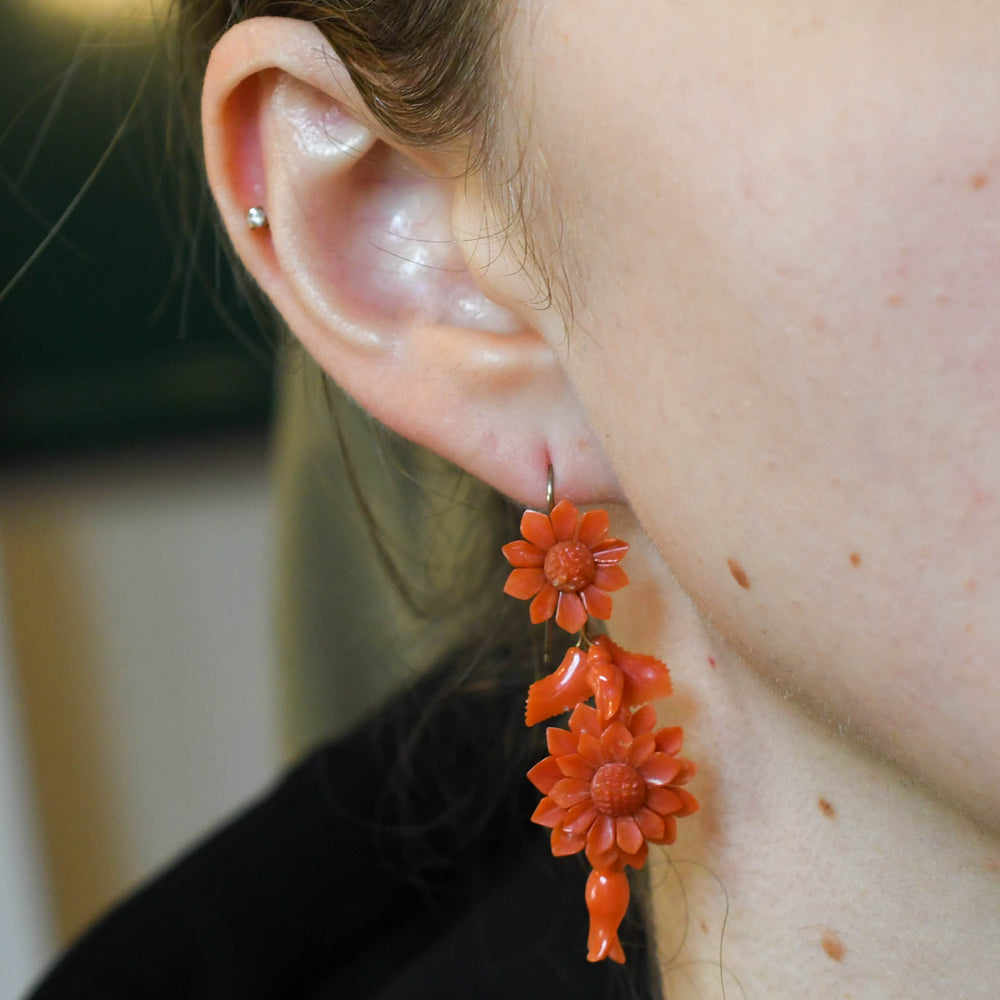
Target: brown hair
426 68
429 70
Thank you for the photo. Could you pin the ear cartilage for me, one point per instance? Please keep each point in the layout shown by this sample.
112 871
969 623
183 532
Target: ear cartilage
256 218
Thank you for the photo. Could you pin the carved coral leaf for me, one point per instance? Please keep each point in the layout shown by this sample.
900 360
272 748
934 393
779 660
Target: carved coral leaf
646 677
560 690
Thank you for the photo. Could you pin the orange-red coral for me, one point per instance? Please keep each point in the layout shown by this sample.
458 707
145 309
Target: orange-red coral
611 787
566 565
613 675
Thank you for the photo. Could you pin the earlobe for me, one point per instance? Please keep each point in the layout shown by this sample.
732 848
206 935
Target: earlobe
361 260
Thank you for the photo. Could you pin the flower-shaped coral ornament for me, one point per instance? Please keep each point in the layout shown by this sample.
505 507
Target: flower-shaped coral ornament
610 788
566 565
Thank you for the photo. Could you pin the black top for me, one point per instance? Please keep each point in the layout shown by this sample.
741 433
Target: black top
396 863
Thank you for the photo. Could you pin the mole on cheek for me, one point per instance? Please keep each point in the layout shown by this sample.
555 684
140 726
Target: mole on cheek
855 559
833 946
739 574
826 808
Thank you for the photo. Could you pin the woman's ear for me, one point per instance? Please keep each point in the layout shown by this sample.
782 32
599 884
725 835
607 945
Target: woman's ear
360 258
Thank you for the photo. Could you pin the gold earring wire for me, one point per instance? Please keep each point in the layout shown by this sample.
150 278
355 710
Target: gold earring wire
550 502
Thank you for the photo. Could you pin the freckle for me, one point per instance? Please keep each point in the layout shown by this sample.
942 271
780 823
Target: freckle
971 585
739 574
855 559
992 865
826 808
833 946
979 181
894 300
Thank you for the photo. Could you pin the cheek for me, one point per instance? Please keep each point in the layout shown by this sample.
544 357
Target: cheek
812 303
788 342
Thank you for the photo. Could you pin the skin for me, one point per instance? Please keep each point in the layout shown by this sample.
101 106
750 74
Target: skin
820 316
788 346
778 227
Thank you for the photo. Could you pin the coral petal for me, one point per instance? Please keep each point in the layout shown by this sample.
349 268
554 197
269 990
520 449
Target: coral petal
570 614
547 813
558 692
591 750
606 577
610 857
537 529
545 774
560 741
638 859
670 740
597 603
593 527
689 803
544 604
609 552
688 770
663 800
579 819
650 823
568 792
617 741
644 721
586 720
564 843
564 518
628 834
524 583
660 769
521 553
602 835
574 766
643 747
670 830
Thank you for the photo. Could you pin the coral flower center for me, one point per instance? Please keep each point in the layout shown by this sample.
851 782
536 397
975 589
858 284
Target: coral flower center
617 789
569 566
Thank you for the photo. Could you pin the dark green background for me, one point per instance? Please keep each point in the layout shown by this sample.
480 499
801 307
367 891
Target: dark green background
129 326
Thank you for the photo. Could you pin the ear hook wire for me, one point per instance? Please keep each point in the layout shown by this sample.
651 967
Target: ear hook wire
550 502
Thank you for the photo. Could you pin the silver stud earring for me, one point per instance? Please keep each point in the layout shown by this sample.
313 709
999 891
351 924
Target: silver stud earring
256 218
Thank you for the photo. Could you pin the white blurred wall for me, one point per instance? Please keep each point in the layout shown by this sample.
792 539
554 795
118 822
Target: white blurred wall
25 915
139 627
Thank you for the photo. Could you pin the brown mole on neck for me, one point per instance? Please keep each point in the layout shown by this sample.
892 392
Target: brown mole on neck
833 946
739 573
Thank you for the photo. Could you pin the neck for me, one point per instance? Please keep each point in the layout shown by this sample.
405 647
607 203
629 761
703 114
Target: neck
813 868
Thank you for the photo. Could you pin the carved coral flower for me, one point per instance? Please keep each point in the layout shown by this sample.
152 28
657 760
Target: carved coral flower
566 565
611 788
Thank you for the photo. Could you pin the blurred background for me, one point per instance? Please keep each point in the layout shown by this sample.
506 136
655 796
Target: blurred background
137 701
210 559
